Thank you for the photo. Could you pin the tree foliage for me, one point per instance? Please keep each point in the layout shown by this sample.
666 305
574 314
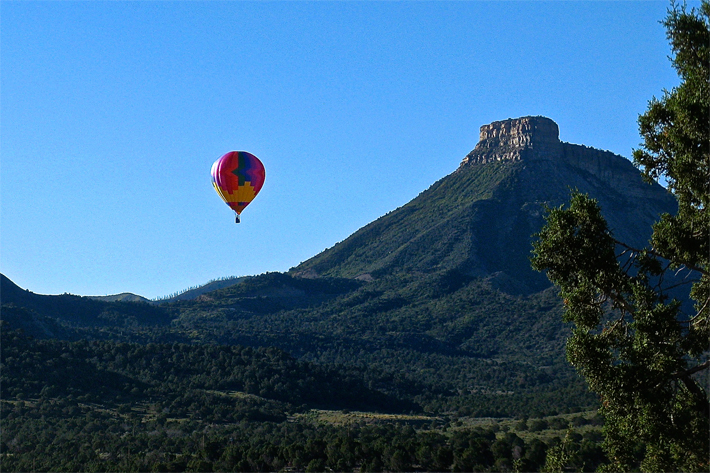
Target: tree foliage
640 348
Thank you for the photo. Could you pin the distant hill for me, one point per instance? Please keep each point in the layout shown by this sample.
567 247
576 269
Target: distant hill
54 304
122 297
76 312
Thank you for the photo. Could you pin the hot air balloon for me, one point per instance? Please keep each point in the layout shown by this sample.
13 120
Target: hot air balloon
237 177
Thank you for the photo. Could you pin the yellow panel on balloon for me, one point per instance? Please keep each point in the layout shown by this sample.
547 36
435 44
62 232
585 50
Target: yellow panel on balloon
243 193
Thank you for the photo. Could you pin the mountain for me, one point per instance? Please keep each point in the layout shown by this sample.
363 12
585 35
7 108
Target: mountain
479 220
185 295
445 297
430 316
433 303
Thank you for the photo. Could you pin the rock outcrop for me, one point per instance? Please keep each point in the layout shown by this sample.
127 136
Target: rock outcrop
533 138
526 138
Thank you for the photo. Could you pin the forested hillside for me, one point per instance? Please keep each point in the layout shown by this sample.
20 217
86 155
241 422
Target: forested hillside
480 220
437 368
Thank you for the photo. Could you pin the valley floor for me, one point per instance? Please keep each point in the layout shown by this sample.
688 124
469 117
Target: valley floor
61 435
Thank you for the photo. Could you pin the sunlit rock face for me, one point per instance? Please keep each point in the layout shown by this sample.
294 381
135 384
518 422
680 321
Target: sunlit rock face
526 138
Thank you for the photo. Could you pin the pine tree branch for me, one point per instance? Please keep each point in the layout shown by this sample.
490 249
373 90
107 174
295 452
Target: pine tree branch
652 252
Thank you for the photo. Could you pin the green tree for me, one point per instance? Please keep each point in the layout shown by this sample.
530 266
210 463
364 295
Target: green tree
640 348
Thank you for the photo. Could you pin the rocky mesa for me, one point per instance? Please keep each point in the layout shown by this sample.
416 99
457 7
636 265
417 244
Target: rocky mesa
536 138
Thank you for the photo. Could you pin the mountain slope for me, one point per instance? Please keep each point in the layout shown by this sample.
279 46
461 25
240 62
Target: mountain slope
480 219
195 292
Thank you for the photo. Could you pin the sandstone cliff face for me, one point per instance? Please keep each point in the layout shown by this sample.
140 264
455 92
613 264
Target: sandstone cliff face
526 138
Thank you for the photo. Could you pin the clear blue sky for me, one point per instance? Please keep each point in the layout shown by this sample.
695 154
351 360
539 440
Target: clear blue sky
111 114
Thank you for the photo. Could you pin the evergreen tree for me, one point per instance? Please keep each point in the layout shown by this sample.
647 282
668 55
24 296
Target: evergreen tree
640 349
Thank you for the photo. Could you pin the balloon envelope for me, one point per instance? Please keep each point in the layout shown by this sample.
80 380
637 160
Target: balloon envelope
237 177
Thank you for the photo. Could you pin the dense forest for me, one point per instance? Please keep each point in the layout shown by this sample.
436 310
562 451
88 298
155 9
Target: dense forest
107 406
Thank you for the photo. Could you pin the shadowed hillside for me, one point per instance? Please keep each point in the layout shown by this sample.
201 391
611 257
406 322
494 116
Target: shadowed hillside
81 312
